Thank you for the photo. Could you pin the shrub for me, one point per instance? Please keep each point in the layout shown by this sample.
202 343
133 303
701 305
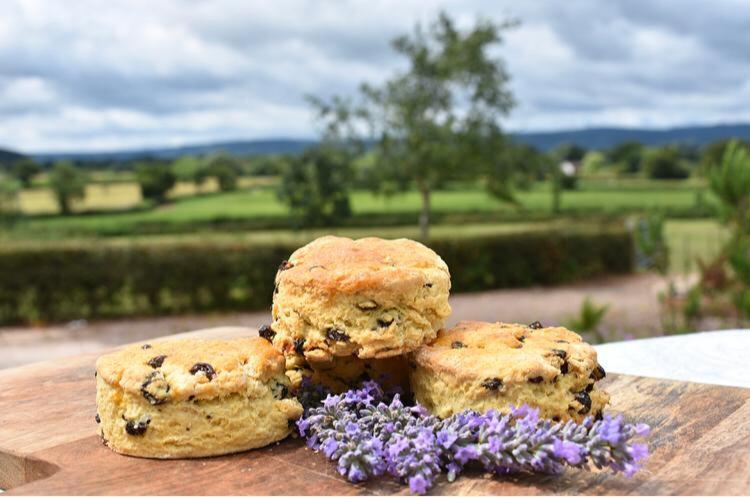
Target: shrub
105 279
665 163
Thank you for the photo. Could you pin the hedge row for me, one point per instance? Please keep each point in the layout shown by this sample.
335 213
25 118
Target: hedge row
97 280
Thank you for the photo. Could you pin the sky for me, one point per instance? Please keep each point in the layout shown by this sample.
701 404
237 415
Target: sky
93 76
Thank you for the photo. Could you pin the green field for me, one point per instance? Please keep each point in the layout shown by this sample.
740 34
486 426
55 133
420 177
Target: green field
690 240
117 194
193 212
189 215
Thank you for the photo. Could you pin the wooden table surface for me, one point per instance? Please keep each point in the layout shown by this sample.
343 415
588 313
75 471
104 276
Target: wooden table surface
48 445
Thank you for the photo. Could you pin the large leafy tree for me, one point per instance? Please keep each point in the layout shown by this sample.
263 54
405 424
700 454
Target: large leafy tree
156 179
69 183
25 170
440 118
627 156
314 186
226 169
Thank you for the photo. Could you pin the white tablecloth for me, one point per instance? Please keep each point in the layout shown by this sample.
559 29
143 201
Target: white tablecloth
716 357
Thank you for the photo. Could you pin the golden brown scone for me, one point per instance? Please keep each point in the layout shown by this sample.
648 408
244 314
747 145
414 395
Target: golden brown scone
193 398
481 366
369 298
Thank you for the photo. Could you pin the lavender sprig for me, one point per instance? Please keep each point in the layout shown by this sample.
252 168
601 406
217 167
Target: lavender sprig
368 433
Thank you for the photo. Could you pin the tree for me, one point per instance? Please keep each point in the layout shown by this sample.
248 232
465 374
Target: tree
627 156
188 168
69 183
314 186
25 170
664 163
523 163
156 179
226 169
438 119
9 188
593 162
730 182
562 178
268 165
713 153
569 152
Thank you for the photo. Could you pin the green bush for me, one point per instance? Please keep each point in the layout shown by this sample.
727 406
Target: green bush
664 163
86 281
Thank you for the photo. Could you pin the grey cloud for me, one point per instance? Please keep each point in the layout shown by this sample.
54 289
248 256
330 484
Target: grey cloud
142 73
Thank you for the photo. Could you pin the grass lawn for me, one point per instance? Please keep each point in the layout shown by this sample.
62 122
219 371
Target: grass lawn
303 236
693 239
249 204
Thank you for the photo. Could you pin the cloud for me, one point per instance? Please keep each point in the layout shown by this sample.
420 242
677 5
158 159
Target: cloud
91 76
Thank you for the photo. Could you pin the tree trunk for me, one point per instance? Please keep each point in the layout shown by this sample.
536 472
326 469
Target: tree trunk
556 189
424 216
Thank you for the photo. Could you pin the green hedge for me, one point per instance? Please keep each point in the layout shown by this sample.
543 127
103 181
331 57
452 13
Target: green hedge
100 279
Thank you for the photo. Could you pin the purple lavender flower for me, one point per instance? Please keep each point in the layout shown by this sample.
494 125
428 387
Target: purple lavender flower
569 451
369 432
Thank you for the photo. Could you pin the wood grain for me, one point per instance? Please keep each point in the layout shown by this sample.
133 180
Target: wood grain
48 445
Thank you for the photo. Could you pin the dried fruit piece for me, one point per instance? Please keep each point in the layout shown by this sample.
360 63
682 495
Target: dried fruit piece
585 400
492 383
457 345
336 335
156 362
598 373
155 388
560 353
146 346
267 332
137 427
97 418
279 390
536 379
285 265
536 325
203 367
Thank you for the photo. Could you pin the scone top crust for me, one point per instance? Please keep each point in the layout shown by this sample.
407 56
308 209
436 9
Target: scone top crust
198 369
335 265
509 352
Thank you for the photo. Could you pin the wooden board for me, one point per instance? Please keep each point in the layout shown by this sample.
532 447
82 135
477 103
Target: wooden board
48 445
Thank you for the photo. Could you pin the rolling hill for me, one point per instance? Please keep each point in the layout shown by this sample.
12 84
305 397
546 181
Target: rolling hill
8 157
591 138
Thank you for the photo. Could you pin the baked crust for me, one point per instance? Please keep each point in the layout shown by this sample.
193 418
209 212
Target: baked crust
193 398
479 366
233 362
368 298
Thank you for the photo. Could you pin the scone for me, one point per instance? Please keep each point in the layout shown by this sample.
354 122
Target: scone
367 298
482 366
193 398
